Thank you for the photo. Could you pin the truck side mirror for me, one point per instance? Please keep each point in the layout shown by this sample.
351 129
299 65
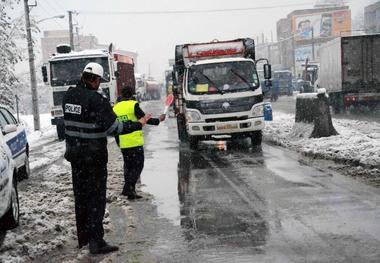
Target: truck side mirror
117 74
44 74
267 71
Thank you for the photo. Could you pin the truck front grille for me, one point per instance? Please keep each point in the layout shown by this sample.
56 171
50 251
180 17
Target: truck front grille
58 97
224 105
227 119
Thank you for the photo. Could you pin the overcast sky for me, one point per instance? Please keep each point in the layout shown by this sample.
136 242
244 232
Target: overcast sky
154 37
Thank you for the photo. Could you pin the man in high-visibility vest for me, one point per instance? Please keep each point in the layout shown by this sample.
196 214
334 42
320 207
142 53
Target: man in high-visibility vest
132 144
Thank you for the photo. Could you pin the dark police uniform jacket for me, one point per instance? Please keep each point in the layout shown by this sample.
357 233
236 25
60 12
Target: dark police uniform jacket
89 119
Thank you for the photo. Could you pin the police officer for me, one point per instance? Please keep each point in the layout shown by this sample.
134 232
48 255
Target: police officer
89 119
131 144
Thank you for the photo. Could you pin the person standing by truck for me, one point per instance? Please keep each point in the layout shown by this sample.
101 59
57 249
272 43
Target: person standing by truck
132 145
89 119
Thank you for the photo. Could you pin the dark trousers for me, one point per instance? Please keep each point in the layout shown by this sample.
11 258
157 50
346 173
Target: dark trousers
89 185
133 166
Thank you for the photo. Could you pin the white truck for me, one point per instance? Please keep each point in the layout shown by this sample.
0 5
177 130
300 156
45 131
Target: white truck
217 91
64 70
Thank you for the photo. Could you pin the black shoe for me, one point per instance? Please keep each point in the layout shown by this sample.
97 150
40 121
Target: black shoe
82 244
134 196
102 247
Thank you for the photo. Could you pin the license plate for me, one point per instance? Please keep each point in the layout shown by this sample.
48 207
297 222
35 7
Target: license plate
227 126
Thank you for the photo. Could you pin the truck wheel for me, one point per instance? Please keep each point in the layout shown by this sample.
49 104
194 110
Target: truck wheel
193 142
61 131
256 138
11 218
181 127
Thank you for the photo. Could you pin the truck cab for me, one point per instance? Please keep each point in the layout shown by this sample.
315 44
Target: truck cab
218 92
64 70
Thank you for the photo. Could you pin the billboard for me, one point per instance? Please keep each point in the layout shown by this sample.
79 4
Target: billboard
302 53
326 24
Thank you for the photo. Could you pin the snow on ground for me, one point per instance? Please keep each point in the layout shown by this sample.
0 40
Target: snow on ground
45 134
41 142
46 202
358 142
46 216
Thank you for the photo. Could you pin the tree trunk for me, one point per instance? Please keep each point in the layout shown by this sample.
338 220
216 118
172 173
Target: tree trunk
323 126
305 107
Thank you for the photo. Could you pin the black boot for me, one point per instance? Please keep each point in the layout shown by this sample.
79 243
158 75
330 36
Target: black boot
101 247
133 196
82 244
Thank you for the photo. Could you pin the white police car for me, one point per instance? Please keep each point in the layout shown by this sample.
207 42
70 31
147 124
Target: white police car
15 137
9 205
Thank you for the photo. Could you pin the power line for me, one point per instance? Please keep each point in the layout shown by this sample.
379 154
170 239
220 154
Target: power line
189 11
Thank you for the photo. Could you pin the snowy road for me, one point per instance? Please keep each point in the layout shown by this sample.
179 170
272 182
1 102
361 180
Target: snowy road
223 203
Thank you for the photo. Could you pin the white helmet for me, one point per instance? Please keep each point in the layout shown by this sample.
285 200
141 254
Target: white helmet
94 68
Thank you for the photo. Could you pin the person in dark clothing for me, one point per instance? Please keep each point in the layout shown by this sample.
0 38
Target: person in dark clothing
89 119
132 145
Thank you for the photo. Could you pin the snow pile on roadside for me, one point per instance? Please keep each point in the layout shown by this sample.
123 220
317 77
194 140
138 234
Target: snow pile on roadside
46 133
46 217
44 151
358 142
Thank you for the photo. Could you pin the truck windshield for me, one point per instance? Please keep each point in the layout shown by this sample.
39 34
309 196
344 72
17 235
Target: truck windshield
222 78
280 75
69 71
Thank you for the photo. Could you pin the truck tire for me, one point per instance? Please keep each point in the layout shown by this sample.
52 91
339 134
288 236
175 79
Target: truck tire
181 127
256 138
193 142
11 219
61 131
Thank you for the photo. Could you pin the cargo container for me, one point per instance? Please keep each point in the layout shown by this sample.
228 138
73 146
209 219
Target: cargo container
350 71
125 72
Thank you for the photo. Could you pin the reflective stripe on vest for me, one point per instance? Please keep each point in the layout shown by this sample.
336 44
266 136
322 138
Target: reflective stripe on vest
125 111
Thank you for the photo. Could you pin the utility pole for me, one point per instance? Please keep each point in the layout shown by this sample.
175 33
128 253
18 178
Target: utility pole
312 43
32 69
71 29
78 38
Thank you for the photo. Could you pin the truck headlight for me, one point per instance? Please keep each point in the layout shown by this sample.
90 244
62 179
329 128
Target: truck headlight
193 116
258 111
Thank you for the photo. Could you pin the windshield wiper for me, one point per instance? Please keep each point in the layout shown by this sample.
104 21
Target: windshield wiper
243 79
211 82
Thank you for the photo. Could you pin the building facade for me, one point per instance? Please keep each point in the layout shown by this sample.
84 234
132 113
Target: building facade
302 32
52 38
372 18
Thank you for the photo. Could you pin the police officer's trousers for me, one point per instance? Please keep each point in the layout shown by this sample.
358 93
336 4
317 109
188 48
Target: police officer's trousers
133 166
89 185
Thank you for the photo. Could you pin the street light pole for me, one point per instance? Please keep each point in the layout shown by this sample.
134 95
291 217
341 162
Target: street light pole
58 16
32 69
71 29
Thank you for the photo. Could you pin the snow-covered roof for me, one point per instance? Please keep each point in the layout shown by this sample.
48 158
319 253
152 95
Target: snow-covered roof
79 54
219 60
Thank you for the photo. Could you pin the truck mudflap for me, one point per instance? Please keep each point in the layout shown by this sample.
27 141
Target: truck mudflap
354 99
225 128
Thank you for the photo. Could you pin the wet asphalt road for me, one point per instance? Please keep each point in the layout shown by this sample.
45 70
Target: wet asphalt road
232 203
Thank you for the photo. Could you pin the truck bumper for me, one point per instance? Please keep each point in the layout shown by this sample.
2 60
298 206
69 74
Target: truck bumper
225 128
361 99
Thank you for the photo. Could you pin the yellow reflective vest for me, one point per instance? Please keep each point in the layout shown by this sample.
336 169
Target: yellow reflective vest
125 111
